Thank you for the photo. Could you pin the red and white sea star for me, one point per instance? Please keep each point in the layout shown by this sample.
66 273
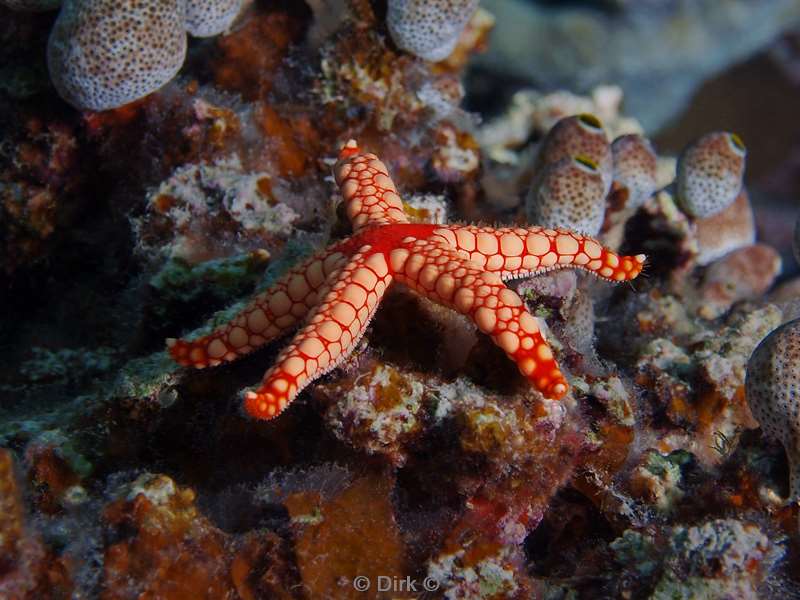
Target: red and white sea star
337 290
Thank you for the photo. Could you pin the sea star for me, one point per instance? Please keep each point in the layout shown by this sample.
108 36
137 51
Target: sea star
338 289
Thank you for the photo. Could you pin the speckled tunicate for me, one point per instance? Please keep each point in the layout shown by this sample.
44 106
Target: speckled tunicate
578 135
428 28
570 194
106 53
635 168
710 173
205 18
773 393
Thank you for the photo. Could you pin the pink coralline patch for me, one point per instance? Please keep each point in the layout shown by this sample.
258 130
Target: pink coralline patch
726 231
744 274
561 285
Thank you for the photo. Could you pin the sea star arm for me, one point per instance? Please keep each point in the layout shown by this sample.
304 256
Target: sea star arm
443 275
520 252
369 193
332 332
270 314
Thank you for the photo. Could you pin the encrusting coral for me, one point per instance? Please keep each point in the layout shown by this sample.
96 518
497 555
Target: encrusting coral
428 28
744 274
728 230
462 267
773 393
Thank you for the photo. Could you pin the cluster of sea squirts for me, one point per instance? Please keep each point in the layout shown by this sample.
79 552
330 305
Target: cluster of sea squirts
576 169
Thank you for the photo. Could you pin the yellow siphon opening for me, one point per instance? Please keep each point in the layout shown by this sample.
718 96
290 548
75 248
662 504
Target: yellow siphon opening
737 142
590 120
586 162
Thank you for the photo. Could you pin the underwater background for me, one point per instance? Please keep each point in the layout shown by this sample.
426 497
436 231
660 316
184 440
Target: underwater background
162 162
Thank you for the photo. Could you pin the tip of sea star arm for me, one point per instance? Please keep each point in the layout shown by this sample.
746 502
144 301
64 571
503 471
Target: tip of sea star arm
557 390
637 265
350 148
614 267
263 405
